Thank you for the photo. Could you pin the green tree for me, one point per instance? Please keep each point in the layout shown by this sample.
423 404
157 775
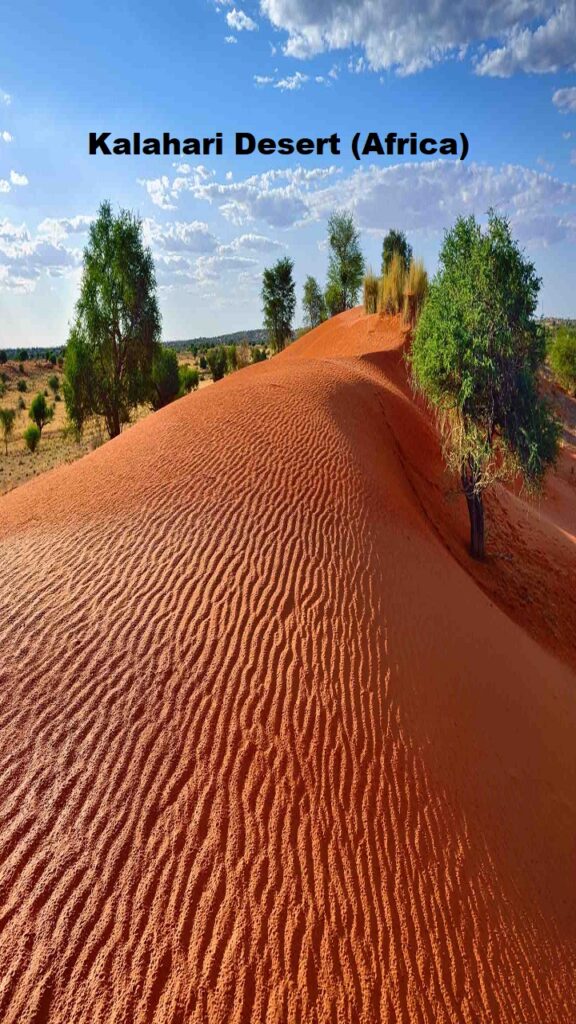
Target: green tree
279 302
7 418
562 357
164 379
476 354
22 355
231 358
217 362
346 262
313 303
3 357
396 241
54 383
32 437
116 332
40 412
189 379
334 299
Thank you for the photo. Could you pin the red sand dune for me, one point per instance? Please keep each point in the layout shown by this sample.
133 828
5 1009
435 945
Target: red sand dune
271 748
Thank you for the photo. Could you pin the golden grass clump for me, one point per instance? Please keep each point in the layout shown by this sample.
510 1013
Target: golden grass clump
391 297
371 287
415 291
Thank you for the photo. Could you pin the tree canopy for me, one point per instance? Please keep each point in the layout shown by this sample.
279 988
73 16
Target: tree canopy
116 331
345 264
476 354
279 302
396 242
313 303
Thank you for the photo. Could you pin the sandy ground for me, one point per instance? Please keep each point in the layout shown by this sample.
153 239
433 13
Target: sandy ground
271 748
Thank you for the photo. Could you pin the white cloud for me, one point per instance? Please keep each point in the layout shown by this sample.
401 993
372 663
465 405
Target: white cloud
4 185
240 22
549 47
230 39
180 236
58 229
291 82
263 79
408 35
25 257
5 97
18 179
5 136
565 100
253 243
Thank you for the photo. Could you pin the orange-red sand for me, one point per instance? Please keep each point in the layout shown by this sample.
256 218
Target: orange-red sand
271 748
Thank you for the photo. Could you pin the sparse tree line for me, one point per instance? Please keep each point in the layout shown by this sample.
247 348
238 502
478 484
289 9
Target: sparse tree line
475 348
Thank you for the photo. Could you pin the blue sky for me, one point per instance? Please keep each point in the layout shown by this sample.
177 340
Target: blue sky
502 72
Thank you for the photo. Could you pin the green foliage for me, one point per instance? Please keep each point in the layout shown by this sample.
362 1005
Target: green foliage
313 303
4 377
391 298
165 377
562 357
116 331
217 362
231 358
346 262
202 363
396 242
22 355
40 412
258 354
279 302
32 437
334 299
3 357
54 383
476 354
22 385
371 288
189 379
7 418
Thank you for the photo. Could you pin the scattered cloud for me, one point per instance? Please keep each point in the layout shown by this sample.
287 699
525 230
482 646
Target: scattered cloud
5 98
565 100
263 79
408 36
240 22
18 179
58 229
5 136
25 257
230 39
291 82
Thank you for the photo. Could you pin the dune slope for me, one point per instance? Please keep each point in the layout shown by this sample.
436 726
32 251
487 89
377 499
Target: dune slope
268 750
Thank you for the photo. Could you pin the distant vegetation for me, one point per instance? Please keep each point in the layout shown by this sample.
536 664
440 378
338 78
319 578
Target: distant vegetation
279 302
562 357
476 354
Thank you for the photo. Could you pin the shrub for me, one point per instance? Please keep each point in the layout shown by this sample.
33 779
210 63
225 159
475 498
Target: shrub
217 362
242 355
3 357
54 383
231 358
4 377
7 417
22 385
2 389
202 362
415 291
562 357
371 287
21 368
189 379
57 397
396 242
21 403
258 354
392 286
165 378
32 438
40 412
22 355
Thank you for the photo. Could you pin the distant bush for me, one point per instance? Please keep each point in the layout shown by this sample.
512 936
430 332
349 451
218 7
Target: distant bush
243 356
165 379
21 368
562 357
40 412
22 355
371 287
3 357
7 417
21 403
217 362
258 354
54 383
4 377
21 385
202 362
415 291
392 286
2 389
57 397
231 358
32 438
189 379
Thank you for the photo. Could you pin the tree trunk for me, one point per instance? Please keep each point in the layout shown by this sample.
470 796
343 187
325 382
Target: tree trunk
475 513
